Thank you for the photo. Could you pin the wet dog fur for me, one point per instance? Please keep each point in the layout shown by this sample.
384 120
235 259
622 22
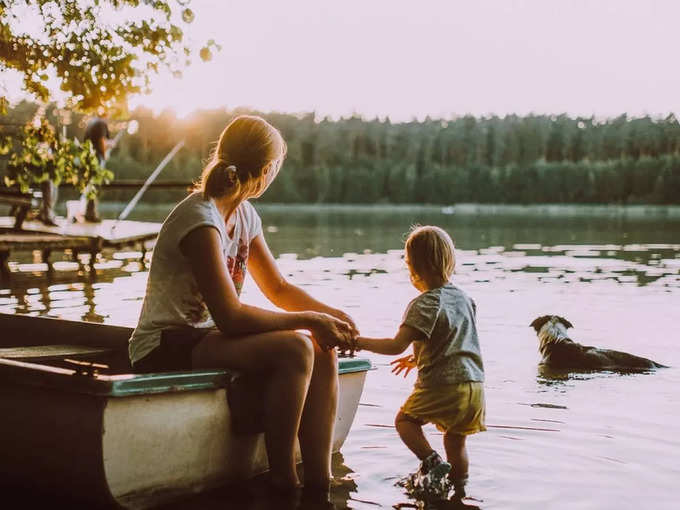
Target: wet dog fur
559 351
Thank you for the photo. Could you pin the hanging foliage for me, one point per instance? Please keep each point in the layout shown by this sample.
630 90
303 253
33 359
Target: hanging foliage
40 156
97 52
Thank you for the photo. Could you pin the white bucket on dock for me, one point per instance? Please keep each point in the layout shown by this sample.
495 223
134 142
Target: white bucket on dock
75 211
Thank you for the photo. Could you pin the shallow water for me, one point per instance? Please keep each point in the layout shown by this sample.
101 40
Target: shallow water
588 441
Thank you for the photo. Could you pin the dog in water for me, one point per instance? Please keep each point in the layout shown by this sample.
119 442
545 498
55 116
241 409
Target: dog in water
560 351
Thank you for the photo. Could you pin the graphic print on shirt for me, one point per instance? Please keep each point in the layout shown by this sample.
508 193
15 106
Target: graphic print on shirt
237 265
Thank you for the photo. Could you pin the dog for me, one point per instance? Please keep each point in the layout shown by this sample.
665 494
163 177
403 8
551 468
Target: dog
561 352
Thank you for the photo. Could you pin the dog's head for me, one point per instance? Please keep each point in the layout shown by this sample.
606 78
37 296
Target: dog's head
539 322
551 330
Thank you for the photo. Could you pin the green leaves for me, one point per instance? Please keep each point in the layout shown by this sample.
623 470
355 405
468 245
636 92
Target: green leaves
40 156
98 58
187 15
205 54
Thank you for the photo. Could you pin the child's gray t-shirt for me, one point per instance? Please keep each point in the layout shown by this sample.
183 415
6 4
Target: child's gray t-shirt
450 352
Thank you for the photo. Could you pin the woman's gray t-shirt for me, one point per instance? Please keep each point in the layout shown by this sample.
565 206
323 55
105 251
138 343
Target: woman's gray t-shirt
172 297
450 352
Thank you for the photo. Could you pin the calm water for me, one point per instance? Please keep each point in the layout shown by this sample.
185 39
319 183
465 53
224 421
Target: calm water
589 441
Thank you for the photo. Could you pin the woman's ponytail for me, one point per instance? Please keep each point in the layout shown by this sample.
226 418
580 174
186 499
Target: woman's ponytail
247 147
220 178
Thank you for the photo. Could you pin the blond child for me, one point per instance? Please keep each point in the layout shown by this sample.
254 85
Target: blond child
449 391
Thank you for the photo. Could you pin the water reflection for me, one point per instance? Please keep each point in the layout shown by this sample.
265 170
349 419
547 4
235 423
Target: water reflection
256 495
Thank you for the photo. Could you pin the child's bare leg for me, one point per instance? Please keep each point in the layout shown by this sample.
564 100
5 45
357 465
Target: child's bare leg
456 455
318 419
411 433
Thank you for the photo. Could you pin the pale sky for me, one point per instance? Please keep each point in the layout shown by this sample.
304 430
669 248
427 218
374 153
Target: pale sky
408 59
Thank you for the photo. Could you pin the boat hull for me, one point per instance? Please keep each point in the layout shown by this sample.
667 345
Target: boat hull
123 439
134 451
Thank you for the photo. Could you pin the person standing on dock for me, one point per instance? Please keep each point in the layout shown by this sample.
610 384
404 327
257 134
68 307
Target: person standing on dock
193 317
97 132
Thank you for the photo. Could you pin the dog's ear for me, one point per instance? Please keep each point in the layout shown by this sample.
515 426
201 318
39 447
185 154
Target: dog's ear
538 322
564 321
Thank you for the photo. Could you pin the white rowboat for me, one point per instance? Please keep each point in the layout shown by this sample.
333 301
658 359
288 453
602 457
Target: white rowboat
76 422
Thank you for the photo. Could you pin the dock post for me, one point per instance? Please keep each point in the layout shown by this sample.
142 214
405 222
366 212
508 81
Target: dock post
21 214
95 247
46 259
93 258
4 265
143 250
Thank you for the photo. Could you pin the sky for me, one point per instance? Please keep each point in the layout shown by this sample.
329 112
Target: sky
410 59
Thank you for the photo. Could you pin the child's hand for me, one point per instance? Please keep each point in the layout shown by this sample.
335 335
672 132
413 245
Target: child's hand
329 332
347 350
407 363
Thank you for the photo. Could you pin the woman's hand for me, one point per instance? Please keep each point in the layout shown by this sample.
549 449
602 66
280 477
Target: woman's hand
329 332
407 363
339 314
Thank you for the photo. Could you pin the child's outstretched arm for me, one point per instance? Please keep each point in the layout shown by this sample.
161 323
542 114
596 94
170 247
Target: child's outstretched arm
390 346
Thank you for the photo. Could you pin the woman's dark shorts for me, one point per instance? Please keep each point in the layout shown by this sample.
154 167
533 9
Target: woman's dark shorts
174 352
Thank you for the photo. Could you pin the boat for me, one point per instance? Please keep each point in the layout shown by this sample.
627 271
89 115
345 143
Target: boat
77 423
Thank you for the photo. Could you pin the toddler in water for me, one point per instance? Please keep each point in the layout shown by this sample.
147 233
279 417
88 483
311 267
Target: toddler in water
449 391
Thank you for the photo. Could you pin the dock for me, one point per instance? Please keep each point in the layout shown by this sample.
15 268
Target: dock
89 238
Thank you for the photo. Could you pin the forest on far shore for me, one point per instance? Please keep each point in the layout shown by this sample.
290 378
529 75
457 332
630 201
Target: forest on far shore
511 159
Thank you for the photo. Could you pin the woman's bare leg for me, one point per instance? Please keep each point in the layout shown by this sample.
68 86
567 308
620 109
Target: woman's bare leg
288 357
318 419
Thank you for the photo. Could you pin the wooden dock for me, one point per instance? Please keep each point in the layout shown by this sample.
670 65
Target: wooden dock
89 238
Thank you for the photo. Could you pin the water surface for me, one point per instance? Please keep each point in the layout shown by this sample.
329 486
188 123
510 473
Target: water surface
586 441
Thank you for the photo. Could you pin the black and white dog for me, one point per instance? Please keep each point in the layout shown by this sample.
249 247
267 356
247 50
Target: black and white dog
560 351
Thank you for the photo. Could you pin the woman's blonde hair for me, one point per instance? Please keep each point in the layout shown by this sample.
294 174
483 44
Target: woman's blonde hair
430 253
247 146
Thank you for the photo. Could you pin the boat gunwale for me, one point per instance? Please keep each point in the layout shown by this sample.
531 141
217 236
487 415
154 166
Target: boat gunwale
129 384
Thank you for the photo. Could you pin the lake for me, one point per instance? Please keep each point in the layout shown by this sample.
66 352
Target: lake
587 441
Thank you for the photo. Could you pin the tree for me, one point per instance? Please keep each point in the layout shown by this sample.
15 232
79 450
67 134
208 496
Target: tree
96 51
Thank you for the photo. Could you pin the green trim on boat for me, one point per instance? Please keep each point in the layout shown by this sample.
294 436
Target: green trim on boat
167 382
200 380
349 365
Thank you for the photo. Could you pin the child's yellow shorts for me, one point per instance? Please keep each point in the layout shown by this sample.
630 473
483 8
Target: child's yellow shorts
457 408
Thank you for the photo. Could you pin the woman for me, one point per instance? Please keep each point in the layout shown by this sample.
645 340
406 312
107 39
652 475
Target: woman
192 316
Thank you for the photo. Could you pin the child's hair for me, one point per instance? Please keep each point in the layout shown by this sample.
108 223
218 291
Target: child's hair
430 253
246 146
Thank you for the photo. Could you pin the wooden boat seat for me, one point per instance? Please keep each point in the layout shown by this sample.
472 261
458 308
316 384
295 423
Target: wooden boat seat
50 352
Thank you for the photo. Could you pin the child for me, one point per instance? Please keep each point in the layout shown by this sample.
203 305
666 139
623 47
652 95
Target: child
449 390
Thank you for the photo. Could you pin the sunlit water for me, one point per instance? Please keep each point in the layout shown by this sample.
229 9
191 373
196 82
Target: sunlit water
588 441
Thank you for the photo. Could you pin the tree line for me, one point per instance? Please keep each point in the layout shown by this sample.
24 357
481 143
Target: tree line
511 159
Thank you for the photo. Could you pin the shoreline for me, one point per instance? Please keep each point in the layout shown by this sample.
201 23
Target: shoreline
637 210
463 209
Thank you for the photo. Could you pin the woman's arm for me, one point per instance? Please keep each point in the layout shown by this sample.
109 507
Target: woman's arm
262 266
396 345
203 249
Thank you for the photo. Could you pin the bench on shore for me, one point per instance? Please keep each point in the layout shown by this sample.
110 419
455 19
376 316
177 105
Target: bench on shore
21 203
